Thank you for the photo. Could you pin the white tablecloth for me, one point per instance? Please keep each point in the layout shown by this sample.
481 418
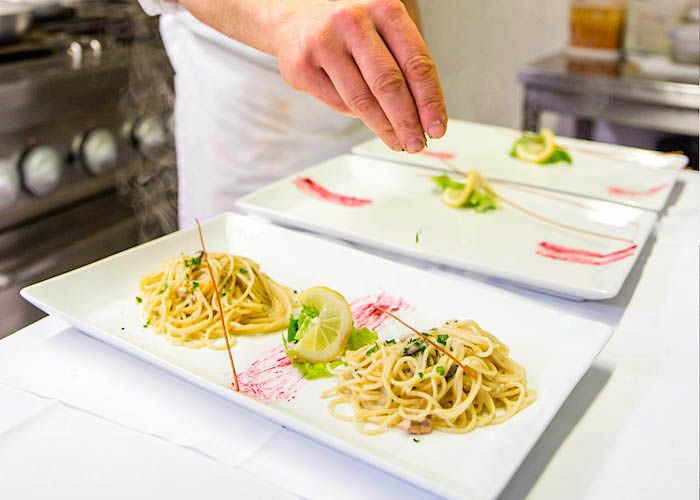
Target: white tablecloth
79 419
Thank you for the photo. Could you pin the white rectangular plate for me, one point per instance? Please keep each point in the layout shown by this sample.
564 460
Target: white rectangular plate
555 348
406 215
634 177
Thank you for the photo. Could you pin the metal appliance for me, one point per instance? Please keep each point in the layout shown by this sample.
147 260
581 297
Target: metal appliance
86 158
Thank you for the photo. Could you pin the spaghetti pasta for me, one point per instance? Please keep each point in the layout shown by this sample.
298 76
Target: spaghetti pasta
413 385
179 303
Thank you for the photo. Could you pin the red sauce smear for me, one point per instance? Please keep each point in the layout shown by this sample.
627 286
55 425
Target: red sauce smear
272 377
440 155
312 188
618 191
579 256
369 311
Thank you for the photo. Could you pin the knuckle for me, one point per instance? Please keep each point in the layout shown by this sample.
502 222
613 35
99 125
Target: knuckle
388 82
363 102
348 18
407 124
389 8
319 42
421 67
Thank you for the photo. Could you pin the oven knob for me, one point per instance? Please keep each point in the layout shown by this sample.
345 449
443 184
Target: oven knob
149 134
41 168
9 183
97 151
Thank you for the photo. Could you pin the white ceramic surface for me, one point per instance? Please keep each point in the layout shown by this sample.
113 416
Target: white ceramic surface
407 216
624 175
556 349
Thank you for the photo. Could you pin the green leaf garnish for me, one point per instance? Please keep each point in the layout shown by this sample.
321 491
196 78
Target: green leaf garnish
443 182
420 374
163 289
442 339
372 349
292 329
440 369
311 371
195 285
360 338
416 440
138 299
559 155
243 271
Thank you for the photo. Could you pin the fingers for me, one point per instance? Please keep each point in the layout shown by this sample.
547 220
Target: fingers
417 66
386 82
352 88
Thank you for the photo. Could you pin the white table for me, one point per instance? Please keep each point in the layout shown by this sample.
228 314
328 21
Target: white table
79 419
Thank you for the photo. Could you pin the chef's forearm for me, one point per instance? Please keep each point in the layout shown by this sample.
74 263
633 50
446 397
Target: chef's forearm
251 22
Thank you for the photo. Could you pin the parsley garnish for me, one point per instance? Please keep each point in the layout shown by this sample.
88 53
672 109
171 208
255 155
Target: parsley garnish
243 271
416 440
420 374
442 339
195 261
372 349
389 342
440 369
195 285
145 325
163 289
138 299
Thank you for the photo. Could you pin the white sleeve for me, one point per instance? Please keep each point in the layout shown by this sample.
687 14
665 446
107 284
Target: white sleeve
156 7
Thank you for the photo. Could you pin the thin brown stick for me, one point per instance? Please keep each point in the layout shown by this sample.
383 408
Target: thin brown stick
427 338
218 301
542 217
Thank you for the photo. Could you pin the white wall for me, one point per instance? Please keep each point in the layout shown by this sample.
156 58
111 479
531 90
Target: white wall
479 45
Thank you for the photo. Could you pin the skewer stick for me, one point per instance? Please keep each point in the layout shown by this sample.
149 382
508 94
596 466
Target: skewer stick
218 301
542 217
428 339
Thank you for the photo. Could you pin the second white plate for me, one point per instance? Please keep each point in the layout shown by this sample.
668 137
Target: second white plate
629 176
396 208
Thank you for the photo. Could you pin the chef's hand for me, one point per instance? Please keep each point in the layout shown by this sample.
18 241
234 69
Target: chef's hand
365 58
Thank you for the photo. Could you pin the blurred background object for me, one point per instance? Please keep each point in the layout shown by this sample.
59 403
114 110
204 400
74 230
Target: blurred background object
87 164
597 27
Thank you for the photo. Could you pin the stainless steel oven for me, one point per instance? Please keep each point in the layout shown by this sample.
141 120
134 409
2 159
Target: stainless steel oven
86 158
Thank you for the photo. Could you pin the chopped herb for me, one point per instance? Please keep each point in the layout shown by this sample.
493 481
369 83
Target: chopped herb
243 271
372 349
442 339
138 299
145 325
389 342
195 285
415 346
163 289
195 261
418 235
420 374
416 440
292 329
440 369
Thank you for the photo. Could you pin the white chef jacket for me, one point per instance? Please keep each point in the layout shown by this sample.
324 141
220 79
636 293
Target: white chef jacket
238 124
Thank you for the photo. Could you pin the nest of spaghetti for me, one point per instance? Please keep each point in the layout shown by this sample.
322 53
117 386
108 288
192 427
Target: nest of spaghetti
417 384
179 302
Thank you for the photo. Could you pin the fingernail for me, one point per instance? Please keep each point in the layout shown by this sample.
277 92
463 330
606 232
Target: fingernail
397 148
436 130
415 145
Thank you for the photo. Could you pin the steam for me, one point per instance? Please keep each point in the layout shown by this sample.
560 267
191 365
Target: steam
150 182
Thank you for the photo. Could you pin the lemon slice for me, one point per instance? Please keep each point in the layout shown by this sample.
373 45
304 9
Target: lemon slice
324 337
538 148
458 197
